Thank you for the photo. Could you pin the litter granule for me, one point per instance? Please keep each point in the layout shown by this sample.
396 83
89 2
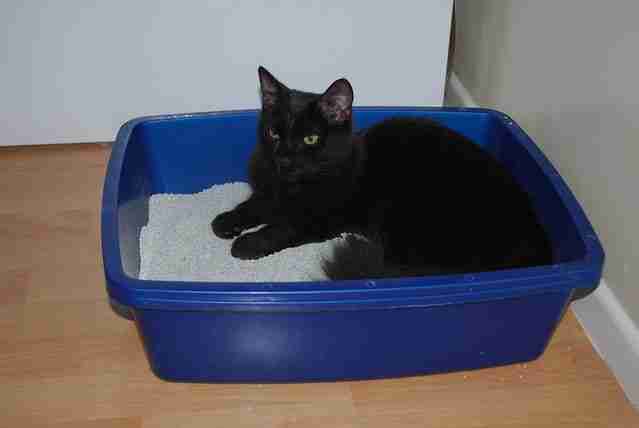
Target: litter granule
177 244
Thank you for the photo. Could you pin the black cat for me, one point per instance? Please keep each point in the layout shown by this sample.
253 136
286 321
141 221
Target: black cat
428 199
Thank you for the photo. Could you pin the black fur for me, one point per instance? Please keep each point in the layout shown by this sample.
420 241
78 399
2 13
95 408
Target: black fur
428 199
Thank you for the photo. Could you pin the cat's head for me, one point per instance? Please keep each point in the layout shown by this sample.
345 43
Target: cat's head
305 134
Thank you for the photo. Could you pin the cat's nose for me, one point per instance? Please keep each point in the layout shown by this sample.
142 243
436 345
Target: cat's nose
284 163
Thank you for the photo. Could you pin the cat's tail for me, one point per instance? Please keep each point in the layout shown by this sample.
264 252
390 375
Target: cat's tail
358 257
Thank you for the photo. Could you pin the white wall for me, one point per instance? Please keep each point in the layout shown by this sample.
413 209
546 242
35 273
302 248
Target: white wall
568 72
75 70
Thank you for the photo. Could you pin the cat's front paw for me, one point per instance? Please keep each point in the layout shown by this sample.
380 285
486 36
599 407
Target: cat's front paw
251 246
227 225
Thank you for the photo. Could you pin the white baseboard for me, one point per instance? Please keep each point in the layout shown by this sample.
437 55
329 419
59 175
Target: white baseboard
614 335
611 331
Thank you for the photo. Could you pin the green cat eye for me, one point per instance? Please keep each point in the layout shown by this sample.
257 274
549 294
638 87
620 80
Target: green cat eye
311 140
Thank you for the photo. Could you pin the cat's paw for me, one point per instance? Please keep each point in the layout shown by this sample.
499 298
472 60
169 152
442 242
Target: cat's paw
251 246
227 225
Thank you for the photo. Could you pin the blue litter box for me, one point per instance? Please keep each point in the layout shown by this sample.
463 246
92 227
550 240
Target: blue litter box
320 331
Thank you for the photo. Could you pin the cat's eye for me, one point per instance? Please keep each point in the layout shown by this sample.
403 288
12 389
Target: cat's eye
311 140
274 135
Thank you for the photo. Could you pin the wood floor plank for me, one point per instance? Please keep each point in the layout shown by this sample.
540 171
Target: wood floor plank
66 360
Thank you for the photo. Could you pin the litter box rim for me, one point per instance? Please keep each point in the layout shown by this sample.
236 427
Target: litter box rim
352 294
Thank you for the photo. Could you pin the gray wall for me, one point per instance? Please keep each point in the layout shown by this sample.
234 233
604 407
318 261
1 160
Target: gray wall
568 72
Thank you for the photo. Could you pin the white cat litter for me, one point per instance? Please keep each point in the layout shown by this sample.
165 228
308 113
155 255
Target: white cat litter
177 244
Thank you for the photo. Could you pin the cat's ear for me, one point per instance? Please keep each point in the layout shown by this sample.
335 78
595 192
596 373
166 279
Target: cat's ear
270 88
336 104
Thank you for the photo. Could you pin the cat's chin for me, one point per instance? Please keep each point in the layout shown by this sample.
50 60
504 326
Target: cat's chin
292 184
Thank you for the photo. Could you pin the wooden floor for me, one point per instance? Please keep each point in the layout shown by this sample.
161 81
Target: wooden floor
66 360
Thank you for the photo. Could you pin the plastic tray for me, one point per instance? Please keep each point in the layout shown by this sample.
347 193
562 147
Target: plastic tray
290 332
